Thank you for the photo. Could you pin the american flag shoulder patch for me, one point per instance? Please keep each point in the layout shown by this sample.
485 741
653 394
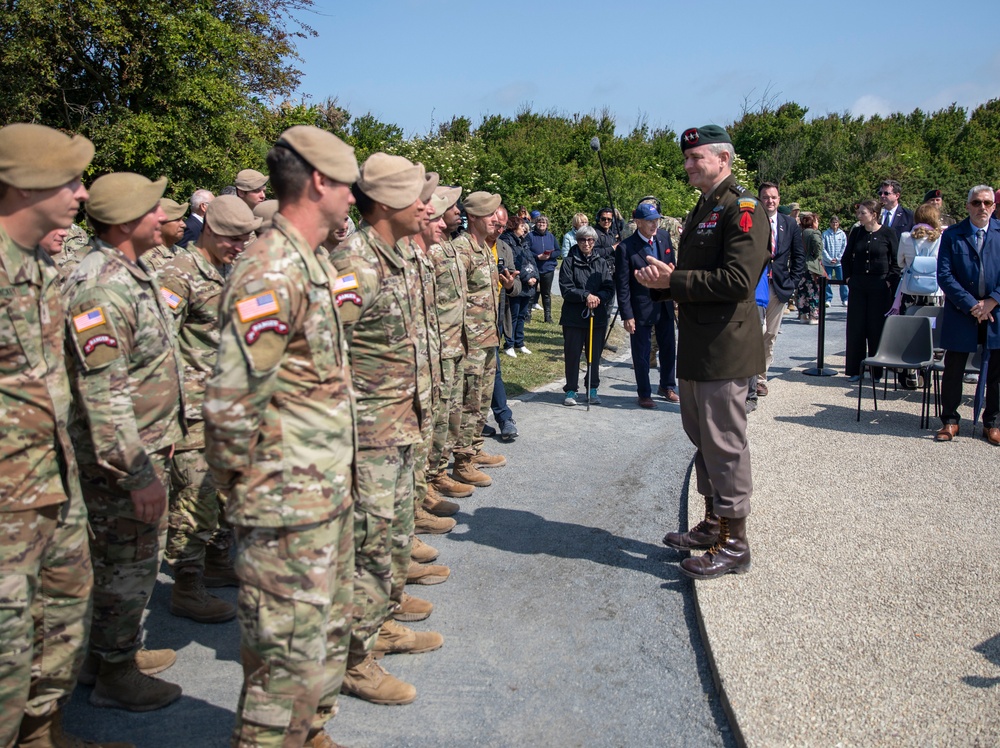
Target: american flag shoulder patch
255 307
172 299
91 318
345 283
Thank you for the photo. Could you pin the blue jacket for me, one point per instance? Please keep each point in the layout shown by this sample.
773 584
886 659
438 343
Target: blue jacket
958 277
541 243
634 301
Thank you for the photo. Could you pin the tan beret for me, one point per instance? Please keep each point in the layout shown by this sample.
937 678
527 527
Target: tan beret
173 209
36 157
249 180
441 204
123 196
430 185
228 215
391 180
451 194
265 211
323 151
481 204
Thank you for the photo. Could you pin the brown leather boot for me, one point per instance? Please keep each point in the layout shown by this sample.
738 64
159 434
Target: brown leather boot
700 537
426 523
321 740
411 609
190 599
47 732
486 460
427 573
121 685
421 552
149 662
731 554
445 486
395 638
219 571
465 472
369 681
437 506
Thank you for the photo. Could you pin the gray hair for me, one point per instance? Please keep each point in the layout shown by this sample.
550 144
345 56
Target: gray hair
586 232
719 148
199 198
979 188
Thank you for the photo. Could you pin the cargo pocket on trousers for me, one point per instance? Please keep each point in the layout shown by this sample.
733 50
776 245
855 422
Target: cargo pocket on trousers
15 632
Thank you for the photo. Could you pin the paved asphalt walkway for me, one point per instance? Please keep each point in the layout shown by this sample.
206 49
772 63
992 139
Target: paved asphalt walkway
866 619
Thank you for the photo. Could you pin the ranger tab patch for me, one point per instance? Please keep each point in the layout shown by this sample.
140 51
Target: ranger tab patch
265 325
91 318
747 206
348 296
255 307
172 299
97 340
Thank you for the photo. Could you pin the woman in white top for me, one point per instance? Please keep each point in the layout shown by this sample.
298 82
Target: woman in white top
917 256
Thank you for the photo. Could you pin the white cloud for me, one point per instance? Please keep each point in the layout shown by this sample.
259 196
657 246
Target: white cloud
869 105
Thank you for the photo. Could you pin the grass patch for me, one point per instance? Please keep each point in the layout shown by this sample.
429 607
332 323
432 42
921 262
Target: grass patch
545 364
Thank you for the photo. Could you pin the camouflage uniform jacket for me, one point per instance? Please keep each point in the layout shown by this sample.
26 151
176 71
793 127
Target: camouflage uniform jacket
375 293
191 286
429 375
35 396
127 367
451 288
279 411
483 297
159 256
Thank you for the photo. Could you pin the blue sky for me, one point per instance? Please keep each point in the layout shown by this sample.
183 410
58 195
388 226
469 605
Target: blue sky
677 65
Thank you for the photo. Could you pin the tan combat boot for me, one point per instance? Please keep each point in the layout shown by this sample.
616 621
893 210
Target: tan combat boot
149 662
421 552
465 472
437 506
47 732
395 638
321 740
427 573
445 486
219 571
190 599
369 681
121 685
486 460
412 608
426 523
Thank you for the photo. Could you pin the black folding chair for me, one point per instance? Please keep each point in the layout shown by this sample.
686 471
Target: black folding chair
907 344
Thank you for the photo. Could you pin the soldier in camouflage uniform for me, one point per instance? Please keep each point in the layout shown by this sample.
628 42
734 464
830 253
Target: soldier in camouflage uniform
45 569
375 295
191 283
482 305
127 377
74 246
171 230
280 440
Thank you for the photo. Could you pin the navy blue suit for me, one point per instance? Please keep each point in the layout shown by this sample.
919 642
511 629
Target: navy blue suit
788 264
634 302
902 220
959 263
192 230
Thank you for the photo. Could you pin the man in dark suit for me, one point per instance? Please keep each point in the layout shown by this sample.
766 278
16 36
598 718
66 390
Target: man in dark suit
788 263
894 215
192 227
641 315
969 274
722 252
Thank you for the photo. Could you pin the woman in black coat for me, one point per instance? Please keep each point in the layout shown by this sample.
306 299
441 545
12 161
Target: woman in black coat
871 273
587 289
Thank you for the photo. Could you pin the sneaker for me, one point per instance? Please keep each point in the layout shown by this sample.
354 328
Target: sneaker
538 307
570 398
508 431
595 399
524 349
828 305
510 352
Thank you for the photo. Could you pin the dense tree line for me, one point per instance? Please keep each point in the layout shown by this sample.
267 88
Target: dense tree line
198 89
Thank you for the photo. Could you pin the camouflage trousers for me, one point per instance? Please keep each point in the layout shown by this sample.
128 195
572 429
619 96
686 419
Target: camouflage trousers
294 607
447 417
197 509
384 483
126 553
480 374
45 585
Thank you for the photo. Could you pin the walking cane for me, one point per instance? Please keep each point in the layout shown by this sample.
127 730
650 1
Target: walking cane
588 312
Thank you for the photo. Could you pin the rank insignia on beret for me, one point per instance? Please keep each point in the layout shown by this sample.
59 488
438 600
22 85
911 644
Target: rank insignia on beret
91 318
690 136
97 340
172 299
345 283
265 325
255 307
348 296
